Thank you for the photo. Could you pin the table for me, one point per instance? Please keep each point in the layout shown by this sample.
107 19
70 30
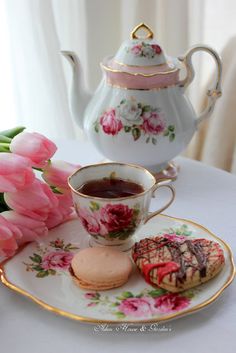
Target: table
204 194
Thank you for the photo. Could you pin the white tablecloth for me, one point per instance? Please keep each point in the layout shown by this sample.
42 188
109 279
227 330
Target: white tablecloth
205 195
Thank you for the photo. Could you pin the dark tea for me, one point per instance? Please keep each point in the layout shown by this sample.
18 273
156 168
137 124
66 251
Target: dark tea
110 188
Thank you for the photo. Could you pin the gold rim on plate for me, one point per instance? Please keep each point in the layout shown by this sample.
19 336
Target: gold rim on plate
85 319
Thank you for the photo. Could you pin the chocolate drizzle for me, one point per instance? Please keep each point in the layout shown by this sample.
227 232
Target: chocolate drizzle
147 248
196 250
177 257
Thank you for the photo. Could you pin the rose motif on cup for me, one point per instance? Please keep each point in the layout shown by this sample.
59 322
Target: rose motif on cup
110 221
144 50
137 119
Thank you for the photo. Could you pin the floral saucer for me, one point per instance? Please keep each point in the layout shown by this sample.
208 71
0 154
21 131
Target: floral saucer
40 272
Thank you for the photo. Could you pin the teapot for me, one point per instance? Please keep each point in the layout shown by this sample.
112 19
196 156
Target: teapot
139 113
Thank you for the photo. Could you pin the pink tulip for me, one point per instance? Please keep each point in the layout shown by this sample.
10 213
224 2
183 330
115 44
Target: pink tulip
31 228
9 234
56 173
34 146
15 172
63 212
35 201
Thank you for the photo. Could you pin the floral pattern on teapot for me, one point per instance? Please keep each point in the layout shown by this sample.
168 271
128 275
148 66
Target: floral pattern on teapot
135 118
145 50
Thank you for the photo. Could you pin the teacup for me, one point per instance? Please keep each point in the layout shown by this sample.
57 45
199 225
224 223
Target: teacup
114 221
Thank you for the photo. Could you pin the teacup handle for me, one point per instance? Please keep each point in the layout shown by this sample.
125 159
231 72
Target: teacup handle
158 185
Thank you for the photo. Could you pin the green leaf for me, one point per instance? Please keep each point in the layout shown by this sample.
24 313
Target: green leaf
12 132
126 295
154 141
36 258
52 272
115 304
122 101
136 132
120 315
147 139
4 149
171 128
127 128
166 133
146 108
189 294
156 292
94 206
172 137
96 128
5 139
42 274
37 268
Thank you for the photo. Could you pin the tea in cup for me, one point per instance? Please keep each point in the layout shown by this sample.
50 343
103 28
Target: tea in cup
112 201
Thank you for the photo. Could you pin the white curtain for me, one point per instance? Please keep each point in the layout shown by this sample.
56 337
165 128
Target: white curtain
35 77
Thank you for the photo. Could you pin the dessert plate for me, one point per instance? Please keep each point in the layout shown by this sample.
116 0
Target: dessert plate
40 271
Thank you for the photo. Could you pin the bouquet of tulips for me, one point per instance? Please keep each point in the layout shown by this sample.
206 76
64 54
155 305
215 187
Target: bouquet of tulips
30 205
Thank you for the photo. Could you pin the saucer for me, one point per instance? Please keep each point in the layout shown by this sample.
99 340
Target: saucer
40 271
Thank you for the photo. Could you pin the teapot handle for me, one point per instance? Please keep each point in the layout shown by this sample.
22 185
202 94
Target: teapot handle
212 94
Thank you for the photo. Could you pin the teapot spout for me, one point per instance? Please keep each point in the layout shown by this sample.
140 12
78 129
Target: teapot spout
78 97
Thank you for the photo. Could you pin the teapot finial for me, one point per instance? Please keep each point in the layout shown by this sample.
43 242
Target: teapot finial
142 25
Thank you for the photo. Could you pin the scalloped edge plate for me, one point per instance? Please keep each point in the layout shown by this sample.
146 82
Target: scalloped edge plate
33 266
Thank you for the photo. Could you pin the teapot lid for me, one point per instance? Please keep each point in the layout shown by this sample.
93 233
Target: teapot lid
140 63
140 50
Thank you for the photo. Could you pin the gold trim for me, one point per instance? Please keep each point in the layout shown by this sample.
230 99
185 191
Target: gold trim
107 68
142 66
115 164
133 34
96 321
142 89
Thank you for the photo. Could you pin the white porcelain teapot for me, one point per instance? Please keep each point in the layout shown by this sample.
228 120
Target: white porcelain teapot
140 113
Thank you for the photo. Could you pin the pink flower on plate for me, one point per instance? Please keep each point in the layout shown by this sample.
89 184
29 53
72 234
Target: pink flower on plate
153 123
137 49
138 307
57 260
91 222
116 217
34 146
170 302
31 228
15 172
9 235
35 201
90 295
62 212
156 48
175 237
110 124
56 174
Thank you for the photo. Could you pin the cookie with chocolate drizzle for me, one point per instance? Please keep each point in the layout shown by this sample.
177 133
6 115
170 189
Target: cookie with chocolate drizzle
177 263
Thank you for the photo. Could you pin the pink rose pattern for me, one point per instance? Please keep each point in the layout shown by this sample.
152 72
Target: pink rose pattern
110 124
110 221
57 260
51 261
149 303
146 121
145 50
